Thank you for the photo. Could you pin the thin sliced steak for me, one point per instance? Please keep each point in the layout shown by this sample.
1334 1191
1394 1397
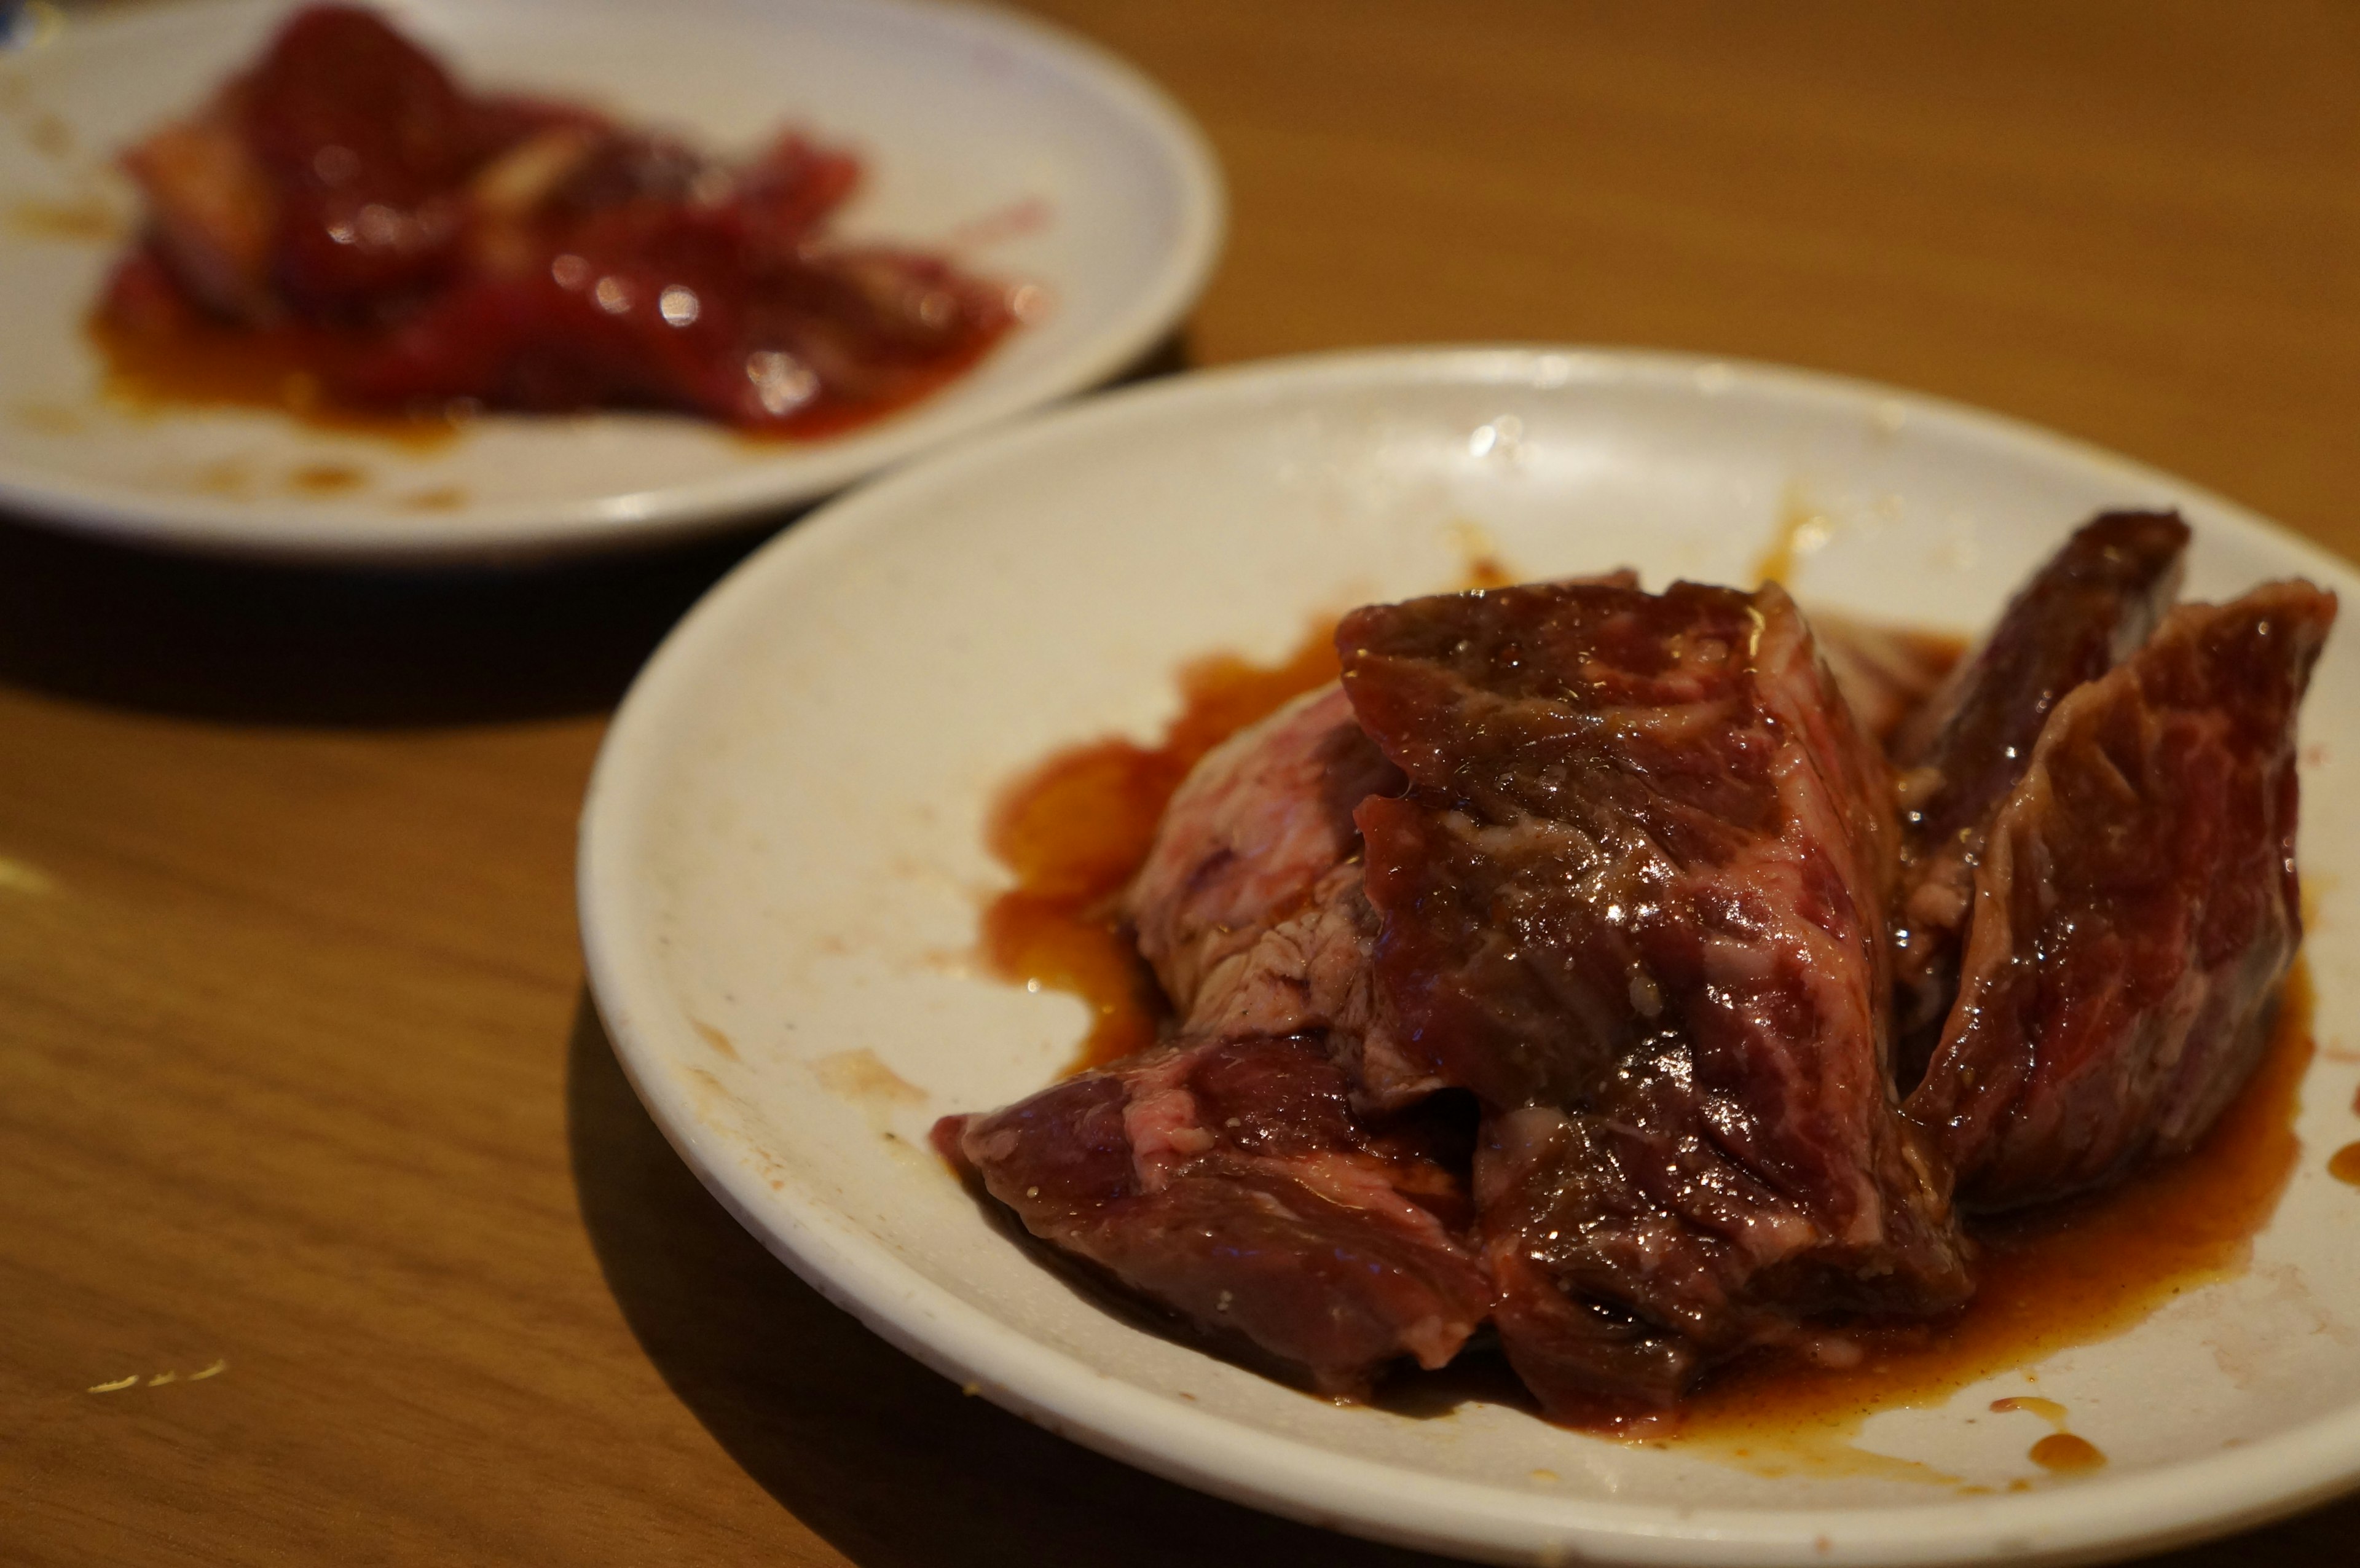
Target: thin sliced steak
2135 909
1635 900
2086 610
1229 1181
1255 828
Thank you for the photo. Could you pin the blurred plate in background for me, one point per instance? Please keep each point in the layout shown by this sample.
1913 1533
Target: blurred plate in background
1031 156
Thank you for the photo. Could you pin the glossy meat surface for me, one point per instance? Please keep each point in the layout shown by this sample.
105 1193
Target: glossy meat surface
2135 909
329 180
1553 951
2089 606
411 244
1634 899
1229 1181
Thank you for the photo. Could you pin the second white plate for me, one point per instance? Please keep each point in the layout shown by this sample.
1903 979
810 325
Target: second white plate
965 117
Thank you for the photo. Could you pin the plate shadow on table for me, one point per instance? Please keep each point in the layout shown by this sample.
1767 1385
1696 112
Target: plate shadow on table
207 638
891 1462
886 1460
213 638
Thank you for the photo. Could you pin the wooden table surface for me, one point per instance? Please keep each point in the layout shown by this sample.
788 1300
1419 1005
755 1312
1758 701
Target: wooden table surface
305 1121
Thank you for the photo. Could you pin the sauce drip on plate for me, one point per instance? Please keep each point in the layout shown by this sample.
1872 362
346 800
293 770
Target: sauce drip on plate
1076 829
2064 1453
191 362
2052 1278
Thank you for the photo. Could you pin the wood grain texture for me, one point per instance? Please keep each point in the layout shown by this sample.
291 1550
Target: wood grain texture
296 1077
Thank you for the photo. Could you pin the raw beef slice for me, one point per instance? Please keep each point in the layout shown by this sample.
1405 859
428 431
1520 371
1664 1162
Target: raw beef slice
1634 898
1249 909
1229 1181
2135 909
2088 608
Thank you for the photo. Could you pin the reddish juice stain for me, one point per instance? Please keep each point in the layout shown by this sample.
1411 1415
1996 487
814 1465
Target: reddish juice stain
197 364
2344 1164
1018 219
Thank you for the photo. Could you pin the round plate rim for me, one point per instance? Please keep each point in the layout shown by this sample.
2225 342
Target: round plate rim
2096 1519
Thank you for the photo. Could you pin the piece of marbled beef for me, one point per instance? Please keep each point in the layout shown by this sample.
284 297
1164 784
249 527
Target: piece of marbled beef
2135 909
1243 1175
1229 1180
1634 898
1249 907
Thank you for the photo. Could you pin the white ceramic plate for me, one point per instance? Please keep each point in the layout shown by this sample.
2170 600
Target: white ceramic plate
964 117
782 864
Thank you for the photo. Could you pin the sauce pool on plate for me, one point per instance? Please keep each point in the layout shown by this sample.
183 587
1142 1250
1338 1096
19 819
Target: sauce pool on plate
2064 1275
1075 828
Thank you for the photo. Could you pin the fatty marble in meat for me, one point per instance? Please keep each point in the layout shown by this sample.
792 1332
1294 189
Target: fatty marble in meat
2135 909
1634 899
1242 1177
1250 908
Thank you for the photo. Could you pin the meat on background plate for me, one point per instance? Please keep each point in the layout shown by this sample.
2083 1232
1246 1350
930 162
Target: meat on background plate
345 206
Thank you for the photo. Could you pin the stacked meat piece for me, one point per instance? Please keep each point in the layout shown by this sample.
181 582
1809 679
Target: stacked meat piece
1551 970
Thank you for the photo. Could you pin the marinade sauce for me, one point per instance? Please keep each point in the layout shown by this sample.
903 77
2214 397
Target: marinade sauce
193 362
2061 1275
1077 828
